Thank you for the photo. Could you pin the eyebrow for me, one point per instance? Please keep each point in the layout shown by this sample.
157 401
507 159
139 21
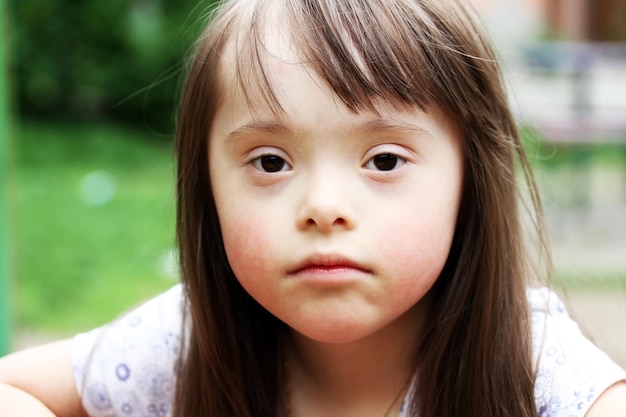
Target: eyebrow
275 127
260 126
385 125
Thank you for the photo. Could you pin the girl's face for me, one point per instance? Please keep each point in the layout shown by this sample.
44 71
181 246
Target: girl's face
337 223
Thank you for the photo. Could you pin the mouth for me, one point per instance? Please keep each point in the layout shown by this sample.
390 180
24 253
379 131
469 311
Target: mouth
328 265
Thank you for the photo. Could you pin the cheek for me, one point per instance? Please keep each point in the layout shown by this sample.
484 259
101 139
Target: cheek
248 243
417 245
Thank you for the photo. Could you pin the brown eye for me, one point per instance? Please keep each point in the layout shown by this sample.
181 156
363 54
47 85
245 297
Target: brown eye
384 162
270 163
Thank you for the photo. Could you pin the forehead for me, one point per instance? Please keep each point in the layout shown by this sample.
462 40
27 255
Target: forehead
309 108
261 81
255 59
282 91
385 66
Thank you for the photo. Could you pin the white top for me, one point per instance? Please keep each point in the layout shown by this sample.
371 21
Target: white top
128 368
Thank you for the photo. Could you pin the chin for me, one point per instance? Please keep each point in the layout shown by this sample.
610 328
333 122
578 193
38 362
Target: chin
335 334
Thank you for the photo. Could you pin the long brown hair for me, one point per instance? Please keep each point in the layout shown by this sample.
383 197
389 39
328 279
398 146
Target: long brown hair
475 358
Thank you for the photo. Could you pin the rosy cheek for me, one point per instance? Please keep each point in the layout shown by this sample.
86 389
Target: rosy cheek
418 251
247 245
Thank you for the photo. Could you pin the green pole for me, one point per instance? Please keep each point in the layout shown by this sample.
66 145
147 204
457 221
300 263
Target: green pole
5 128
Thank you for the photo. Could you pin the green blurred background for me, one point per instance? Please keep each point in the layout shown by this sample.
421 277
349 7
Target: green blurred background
87 178
87 169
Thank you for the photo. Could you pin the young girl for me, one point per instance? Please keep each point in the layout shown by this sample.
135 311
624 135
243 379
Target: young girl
349 238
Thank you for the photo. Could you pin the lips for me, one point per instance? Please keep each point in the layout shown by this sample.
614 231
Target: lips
328 264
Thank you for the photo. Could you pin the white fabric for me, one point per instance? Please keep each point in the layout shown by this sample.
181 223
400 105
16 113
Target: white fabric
572 371
128 368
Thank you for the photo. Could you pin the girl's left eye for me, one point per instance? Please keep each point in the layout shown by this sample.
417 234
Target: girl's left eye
385 162
270 163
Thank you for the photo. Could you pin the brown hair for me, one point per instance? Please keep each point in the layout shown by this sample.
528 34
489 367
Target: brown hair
476 354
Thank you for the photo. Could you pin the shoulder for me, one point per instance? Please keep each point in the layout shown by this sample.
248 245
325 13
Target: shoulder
130 364
571 372
612 403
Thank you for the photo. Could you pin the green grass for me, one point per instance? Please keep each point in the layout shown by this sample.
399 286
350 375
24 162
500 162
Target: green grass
82 258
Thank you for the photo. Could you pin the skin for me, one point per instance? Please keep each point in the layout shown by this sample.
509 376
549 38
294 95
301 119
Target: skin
611 403
330 243
39 382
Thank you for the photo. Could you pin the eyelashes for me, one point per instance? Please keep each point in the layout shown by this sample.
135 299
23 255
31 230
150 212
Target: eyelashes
385 162
271 163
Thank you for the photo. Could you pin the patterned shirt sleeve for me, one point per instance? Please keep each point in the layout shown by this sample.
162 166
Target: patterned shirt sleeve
571 371
128 367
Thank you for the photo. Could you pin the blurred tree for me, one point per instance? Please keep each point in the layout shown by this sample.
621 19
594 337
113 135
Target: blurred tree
102 60
587 20
607 20
6 259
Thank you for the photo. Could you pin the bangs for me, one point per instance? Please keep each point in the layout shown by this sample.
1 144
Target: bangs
368 52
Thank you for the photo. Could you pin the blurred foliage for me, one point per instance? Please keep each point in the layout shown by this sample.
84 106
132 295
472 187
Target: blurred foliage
102 60
95 223
545 154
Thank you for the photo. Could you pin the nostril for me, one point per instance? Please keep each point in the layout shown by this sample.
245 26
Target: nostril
324 218
339 221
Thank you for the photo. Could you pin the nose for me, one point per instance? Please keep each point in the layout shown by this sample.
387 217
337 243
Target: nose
327 205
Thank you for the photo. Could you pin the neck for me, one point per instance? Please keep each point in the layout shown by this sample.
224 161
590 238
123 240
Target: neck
374 372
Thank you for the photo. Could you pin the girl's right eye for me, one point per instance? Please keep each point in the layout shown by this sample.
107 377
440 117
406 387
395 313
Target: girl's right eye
270 163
